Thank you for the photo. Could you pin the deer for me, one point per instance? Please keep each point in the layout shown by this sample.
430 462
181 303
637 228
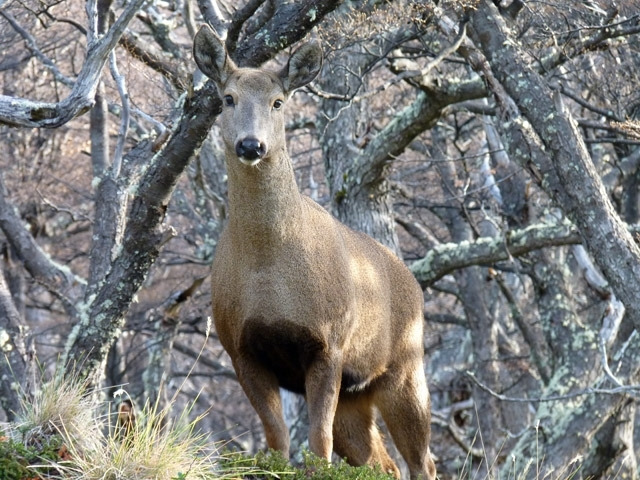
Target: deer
302 302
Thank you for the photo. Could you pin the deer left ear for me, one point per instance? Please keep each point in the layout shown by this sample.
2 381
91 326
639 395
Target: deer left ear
304 65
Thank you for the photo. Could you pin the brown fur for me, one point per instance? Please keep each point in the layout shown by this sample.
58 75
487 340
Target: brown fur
302 302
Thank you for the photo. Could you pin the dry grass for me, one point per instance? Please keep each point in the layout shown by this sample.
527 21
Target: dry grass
60 404
156 446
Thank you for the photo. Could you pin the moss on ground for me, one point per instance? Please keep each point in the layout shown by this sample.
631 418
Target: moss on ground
272 464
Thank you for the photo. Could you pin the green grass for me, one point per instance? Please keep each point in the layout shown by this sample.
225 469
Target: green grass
162 451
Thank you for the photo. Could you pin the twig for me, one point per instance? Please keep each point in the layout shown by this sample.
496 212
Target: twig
628 389
605 112
446 419
33 47
460 37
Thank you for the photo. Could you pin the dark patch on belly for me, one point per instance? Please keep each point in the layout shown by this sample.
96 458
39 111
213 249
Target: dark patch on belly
288 349
285 348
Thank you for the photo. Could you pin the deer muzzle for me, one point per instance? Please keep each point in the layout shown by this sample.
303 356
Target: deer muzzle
250 149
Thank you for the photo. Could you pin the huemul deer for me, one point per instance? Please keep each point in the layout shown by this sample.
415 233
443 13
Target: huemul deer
301 301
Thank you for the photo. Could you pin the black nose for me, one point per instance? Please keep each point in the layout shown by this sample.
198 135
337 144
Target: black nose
250 149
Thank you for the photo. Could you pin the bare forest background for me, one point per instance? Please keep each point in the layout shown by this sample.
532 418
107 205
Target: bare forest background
495 146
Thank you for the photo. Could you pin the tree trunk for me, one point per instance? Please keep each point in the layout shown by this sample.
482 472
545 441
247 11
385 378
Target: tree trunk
361 202
13 364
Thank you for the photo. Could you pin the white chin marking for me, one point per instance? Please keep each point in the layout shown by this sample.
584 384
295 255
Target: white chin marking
250 163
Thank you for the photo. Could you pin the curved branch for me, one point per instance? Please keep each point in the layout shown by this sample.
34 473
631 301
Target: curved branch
618 390
421 115
560 55
238 22
290 23
446 258
40 266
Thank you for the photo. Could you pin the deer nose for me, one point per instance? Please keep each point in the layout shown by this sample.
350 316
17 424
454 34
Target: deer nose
250 149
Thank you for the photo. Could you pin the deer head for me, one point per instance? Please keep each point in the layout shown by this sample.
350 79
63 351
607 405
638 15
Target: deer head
252 119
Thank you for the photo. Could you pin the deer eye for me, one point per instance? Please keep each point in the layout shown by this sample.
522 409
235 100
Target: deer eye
278 104
228 101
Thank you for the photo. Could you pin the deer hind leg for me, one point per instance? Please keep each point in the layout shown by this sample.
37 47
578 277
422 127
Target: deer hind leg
261 387
356 436
403 401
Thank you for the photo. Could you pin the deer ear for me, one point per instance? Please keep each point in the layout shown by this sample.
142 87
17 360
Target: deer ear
211 55
304 65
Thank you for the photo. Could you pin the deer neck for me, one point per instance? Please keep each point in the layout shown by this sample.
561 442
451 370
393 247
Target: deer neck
264 201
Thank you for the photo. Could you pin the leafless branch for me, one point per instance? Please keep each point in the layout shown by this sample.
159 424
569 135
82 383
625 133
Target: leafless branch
124 117
42 268
208 361
410 71
566 91
239 20
22 112
586 43
33 46
419 232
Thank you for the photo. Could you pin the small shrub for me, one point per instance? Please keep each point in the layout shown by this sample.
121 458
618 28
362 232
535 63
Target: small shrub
19 461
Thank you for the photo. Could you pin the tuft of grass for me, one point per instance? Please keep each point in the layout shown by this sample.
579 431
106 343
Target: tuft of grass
62 403
61 432
156 446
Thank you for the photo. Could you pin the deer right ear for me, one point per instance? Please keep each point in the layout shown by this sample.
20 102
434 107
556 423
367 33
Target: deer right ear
303 66
211 55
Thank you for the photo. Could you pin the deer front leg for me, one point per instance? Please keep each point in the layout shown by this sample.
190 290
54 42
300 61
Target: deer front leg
322 387
261 387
